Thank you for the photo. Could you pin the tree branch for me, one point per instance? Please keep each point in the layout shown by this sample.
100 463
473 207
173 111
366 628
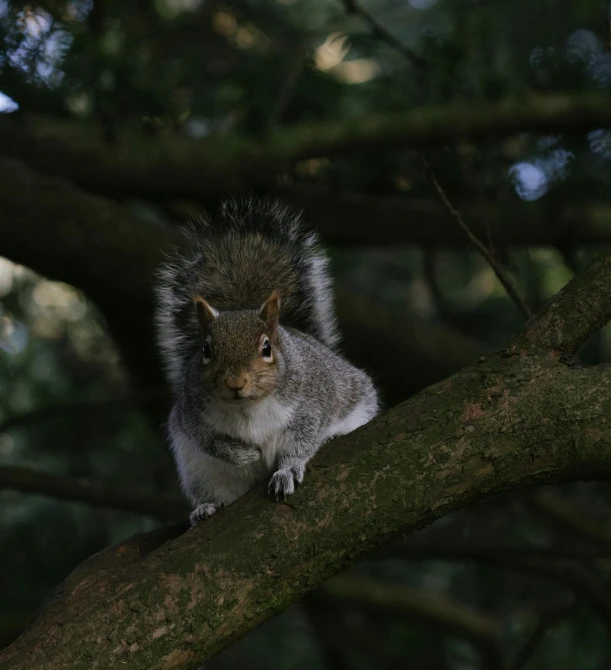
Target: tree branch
84 409
403 219
67 243
86 241
579 310
90 242
561 514
379 32
324 623
488 255
295 66
429 350
424 222
548 620
423 606
591 588
494 555
187 168
506 423
88 492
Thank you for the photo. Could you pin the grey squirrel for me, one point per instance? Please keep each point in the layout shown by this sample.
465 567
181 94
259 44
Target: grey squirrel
247 331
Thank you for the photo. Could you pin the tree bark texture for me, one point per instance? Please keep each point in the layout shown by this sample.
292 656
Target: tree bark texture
519 418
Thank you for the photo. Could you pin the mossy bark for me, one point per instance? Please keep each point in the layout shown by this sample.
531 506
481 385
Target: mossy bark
573 314
521 417
511 421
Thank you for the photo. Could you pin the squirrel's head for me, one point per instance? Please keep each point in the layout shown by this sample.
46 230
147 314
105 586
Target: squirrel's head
240 356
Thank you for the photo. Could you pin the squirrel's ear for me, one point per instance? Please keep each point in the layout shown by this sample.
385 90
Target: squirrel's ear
205 313
270 312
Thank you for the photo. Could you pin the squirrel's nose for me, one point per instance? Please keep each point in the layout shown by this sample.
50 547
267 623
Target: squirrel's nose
236 384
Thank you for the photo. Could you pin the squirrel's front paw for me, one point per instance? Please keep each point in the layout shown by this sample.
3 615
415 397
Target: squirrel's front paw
282 484
201 513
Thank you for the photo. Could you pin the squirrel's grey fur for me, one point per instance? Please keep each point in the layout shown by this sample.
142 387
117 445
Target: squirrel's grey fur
260 246
245 325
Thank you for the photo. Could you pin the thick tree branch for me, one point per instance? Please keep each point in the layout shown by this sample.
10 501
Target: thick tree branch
572 315
93 244
87 241
343 219
88 492
187 168
507 423
50 225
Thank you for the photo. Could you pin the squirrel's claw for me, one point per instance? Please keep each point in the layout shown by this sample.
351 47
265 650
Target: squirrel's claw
201 512
281 484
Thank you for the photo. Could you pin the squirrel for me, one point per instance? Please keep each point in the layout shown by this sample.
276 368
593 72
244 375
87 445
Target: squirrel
247 332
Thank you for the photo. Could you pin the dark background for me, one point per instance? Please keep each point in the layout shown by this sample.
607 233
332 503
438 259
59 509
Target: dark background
83 399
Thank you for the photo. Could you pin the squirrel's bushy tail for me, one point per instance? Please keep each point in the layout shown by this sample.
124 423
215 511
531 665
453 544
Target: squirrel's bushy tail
235 262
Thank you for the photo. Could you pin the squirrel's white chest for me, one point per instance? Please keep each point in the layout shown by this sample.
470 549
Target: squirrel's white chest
263 423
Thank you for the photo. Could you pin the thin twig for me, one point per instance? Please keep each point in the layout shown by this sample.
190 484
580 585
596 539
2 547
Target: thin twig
489 236
352 7
287 89
548 621
511 289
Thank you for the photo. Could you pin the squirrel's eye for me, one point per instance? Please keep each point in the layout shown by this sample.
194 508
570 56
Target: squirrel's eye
207 352
266 351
